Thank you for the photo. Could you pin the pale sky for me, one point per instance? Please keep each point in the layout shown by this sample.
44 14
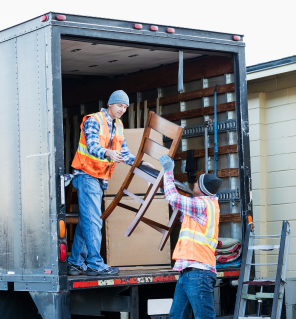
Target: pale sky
268 25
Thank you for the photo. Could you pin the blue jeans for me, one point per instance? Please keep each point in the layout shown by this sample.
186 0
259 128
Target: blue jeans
88 237
194 290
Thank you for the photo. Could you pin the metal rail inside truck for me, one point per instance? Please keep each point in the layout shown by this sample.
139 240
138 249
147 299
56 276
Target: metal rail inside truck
60 67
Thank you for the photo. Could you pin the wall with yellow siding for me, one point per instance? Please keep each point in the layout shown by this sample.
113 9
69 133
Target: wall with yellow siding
272 119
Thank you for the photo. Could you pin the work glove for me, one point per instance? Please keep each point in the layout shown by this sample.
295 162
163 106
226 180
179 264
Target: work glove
167 163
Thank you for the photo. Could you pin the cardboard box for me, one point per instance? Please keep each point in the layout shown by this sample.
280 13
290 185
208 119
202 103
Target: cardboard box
138 185
140 250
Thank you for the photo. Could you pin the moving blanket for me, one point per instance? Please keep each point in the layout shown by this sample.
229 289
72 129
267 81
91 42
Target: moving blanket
227 242
228 250
236 263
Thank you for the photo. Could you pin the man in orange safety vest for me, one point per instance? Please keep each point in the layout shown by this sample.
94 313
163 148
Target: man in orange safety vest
101 146
195 249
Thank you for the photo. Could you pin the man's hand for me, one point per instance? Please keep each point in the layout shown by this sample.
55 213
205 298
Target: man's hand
167 163
114 155
147 164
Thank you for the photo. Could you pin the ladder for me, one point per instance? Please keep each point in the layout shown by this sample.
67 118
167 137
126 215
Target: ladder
244 281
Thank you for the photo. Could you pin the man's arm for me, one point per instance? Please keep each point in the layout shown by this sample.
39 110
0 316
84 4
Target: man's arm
195 208
91 129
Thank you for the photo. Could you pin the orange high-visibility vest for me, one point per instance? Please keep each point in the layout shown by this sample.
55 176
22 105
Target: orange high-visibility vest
96 167
197 242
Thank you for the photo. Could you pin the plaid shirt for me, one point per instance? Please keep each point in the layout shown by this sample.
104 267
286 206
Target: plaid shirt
195 208
91 130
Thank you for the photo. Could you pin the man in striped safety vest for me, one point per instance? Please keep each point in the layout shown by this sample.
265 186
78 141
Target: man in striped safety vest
195 249
101 146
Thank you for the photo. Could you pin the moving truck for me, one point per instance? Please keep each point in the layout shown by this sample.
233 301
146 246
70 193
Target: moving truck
56 68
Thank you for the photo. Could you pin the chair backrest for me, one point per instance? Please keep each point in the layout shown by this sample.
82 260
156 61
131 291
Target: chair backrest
166 128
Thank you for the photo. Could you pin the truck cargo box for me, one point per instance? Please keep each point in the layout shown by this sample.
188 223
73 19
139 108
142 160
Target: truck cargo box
57 68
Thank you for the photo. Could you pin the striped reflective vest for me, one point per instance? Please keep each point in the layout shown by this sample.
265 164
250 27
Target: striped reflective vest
96 167
197 242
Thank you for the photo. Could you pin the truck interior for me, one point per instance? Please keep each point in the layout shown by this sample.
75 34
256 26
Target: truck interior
92 70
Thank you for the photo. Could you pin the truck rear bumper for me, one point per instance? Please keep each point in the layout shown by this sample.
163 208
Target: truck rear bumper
136 277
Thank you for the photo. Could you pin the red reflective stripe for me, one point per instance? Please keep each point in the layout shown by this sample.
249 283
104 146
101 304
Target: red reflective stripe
231 273
82 284
170 278
161 278
125 281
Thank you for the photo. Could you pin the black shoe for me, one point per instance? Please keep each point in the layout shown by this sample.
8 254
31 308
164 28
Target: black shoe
75 270
106 272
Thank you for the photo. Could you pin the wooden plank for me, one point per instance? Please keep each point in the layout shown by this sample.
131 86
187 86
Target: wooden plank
227 149
226 218
227 172
77 92
223 107
191 95
72 220
200 112
230 218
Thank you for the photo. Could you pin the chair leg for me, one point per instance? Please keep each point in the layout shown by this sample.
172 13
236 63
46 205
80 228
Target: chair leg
145 205
112 206
175 216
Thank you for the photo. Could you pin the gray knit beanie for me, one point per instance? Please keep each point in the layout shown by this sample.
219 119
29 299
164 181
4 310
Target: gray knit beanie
118 97
209 184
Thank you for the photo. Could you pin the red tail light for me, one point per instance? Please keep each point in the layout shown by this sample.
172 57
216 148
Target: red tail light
138 26
170 30
63 252
236 37
154 28
61 17
43 18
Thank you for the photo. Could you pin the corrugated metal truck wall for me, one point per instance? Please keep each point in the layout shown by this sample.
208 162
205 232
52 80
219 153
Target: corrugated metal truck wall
26 162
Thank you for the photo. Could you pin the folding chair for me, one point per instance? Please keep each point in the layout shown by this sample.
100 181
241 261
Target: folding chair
154 150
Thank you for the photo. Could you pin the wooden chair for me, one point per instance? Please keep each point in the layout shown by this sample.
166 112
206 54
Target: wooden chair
154 150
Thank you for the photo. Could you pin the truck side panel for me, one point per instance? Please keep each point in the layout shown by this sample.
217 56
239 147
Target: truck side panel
10 212
28 240
34 150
